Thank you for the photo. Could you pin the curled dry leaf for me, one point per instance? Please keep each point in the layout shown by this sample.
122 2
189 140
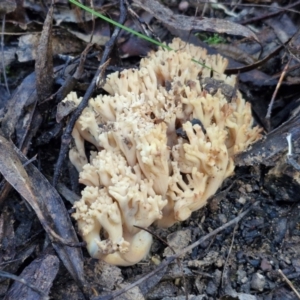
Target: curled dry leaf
47 204
168 18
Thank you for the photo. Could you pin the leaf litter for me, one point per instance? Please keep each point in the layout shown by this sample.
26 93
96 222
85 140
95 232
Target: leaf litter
265 186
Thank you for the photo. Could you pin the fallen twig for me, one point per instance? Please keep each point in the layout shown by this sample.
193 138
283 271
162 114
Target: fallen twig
268 115
170 259
2 53
228 255
289 283
272 14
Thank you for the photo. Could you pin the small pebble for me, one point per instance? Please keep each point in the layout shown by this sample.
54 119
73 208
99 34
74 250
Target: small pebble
296 264
242 276
254 262
222 218
242 296
183 5
211 288
248 188
219 263
242 200
258 282
242 190
265 265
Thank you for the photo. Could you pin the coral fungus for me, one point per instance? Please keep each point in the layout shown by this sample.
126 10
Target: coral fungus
165 144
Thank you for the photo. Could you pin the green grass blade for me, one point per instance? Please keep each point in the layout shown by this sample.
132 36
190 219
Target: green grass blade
140 35
120 25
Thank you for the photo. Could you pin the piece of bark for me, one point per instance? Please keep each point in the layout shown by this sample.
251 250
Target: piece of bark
283 182
47 204
40 273
7 236
8 244
270 148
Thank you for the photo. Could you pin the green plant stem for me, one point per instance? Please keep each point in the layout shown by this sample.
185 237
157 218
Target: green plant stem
142 36
120 25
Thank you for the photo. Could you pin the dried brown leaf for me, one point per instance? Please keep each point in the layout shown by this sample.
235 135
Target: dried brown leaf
168 18
24 95
44 60
235 53
47 204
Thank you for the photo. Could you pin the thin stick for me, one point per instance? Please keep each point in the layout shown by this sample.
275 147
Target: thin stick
172 249
93 20
268 115
229 252
269 15
289 283
2 52
170 259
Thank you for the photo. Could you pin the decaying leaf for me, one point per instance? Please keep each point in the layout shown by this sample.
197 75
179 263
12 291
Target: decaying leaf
44 60
294 45
8 244
169 19
7 236
64 109
47 204
23 96
63 42
235 53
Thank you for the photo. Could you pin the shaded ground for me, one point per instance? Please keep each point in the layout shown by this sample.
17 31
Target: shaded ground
242 261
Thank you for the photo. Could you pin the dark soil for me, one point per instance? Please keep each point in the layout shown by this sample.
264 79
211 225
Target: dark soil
257 257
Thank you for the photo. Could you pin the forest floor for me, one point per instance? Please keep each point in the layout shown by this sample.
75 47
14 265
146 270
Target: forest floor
245 241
